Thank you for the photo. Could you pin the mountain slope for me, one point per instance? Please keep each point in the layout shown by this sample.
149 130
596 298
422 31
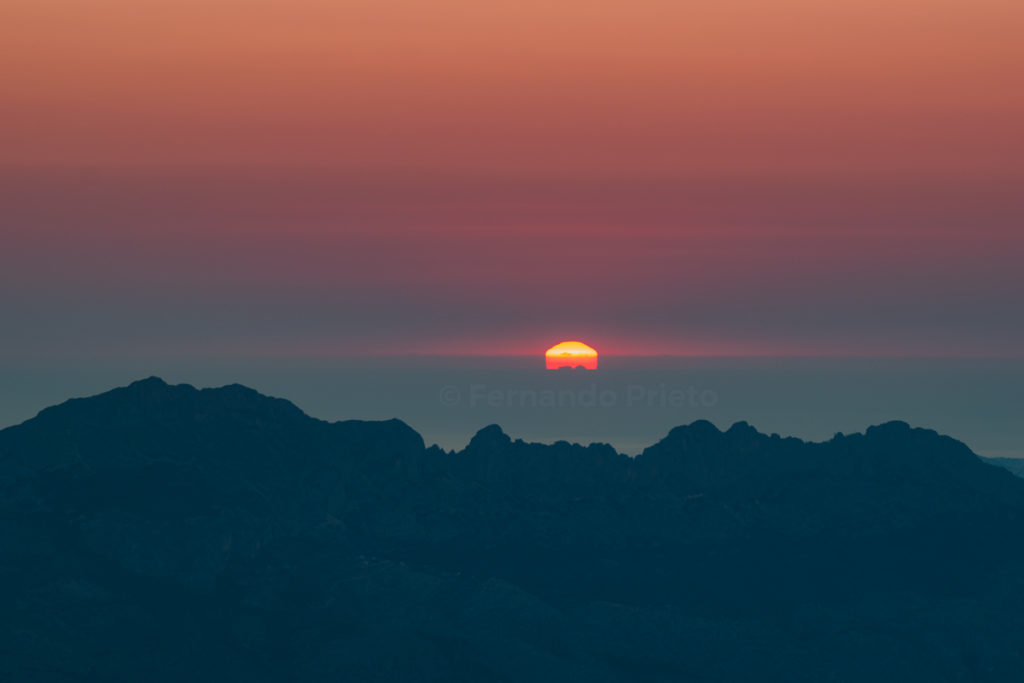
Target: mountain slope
1014 465
162 532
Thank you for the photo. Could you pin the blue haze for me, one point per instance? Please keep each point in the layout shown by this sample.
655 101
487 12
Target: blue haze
629 402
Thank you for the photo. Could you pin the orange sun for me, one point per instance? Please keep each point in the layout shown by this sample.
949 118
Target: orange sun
571 354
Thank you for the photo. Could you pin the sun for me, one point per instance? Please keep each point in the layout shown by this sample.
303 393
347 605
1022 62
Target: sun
571 354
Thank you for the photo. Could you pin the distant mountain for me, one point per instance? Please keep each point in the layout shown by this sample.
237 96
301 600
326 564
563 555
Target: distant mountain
165 533
1015 465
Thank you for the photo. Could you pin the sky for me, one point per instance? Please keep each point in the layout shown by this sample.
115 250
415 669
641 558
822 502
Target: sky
332 177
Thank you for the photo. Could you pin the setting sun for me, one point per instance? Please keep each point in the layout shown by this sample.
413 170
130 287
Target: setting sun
571 354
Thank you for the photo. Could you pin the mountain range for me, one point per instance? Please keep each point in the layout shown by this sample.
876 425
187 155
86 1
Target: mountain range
165 533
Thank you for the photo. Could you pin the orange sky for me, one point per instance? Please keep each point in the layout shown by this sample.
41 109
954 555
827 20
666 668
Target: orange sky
739 175
644 86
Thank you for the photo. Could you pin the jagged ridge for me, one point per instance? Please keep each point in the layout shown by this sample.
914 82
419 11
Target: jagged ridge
224 533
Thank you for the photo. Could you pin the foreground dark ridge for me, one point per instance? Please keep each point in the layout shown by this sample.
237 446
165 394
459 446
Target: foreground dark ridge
160 532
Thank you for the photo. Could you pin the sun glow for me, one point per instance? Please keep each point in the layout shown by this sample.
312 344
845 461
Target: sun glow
571 354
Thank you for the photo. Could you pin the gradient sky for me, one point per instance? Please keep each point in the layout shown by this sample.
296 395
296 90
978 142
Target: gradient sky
650 176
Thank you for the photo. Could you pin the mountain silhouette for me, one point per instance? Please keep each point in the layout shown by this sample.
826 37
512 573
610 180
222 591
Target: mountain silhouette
166 533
